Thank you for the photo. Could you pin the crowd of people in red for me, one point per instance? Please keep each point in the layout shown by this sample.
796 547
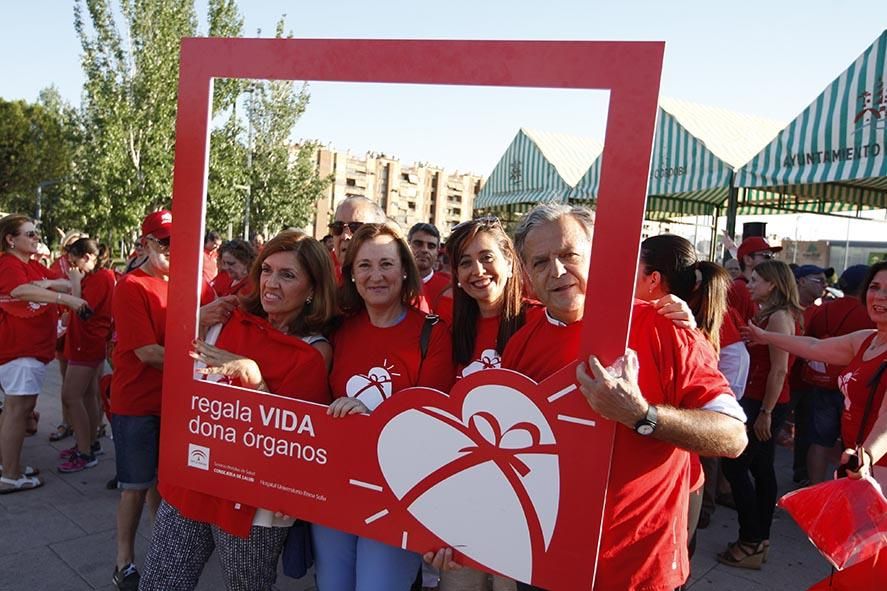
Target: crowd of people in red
715 368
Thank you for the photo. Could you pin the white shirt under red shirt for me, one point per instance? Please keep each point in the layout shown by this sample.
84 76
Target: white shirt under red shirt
373 363
643 543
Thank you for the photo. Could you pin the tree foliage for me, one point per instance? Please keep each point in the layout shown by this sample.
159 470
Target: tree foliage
123 167
37 143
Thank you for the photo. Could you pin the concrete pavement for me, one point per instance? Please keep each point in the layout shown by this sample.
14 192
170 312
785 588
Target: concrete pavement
61 537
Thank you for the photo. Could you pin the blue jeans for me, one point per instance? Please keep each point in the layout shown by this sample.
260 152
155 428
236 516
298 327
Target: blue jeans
345 562
137 447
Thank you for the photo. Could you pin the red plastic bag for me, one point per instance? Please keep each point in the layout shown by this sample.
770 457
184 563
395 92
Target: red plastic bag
868 575
845 519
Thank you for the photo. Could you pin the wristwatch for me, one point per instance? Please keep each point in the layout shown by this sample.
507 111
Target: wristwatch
647 425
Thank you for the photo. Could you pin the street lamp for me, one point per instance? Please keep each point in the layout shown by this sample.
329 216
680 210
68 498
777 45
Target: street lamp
38 213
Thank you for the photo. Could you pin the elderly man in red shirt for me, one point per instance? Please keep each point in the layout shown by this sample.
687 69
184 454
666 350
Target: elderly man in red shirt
674 402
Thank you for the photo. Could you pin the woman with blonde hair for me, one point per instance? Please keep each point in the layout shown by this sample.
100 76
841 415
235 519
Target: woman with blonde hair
774 290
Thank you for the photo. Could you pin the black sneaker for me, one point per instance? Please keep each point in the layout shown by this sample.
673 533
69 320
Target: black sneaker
126 578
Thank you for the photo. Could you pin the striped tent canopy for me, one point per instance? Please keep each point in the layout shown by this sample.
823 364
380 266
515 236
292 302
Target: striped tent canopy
831 158
695 151
537 166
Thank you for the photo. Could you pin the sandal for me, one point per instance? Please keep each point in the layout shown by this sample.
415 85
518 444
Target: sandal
751 555
28 471
8 485
61 432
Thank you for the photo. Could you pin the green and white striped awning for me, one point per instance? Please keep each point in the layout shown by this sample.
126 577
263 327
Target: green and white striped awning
537 166
695 151
831 158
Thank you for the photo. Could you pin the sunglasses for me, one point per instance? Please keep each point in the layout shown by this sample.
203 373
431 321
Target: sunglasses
30 234
338 228
162 243
764 255
487 221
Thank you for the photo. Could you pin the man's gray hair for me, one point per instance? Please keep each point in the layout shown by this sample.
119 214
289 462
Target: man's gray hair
551 212
377 213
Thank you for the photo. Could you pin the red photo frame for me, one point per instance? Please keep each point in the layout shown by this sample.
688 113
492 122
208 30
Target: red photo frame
352 489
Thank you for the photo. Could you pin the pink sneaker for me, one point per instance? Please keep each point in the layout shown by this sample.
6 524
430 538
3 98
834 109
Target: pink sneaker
77 463
68 453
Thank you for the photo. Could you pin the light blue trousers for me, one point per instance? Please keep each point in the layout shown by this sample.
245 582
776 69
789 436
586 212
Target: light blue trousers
345 562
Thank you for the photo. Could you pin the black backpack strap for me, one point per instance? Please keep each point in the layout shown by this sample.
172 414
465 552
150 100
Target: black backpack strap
425 337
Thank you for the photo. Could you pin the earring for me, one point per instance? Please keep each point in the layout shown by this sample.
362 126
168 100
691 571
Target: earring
308 300
352 279
459 284
404 277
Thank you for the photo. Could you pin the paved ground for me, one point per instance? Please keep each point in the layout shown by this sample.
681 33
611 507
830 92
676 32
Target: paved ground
61 537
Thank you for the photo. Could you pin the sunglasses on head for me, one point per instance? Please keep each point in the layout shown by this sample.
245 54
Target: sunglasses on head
337 228
487 220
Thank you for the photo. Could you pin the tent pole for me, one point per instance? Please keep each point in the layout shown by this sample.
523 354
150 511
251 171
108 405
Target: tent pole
713 248
732 206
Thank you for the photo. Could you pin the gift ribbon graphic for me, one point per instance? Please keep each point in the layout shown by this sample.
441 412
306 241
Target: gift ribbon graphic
484 450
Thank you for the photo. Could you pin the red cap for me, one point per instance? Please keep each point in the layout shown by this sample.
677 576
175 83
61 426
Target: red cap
754 244
157 224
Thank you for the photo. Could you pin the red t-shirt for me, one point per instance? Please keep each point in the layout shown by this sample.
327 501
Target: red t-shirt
291 367
739 299
833 319
87 340
854 384
434 288
730 328
796 369
27 329
210 266
139 312
221 284
643 544
373 373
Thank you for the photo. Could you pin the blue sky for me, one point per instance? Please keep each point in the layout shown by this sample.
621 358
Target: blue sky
765 58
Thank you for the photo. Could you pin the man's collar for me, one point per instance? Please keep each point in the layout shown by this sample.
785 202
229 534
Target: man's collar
427 278
552 320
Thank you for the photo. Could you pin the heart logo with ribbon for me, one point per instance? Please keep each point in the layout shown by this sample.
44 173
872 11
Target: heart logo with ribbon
372 389
484 478
489 359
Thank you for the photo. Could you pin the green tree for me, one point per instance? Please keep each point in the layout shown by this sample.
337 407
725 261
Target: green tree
37 142
124 168
283 182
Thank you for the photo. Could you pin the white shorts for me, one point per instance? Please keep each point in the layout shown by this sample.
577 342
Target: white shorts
22 377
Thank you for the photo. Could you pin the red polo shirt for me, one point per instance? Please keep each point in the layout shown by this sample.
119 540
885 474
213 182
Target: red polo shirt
643 543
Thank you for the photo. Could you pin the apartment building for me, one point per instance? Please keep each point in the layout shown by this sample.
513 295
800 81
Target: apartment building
408 194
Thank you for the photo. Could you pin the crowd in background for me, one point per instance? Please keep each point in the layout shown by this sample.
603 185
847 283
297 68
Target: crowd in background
725 363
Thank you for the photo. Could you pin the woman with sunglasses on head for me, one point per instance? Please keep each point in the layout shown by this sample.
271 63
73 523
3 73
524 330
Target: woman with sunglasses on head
86 346
774 290
275 341
380 283
29 302
488 306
